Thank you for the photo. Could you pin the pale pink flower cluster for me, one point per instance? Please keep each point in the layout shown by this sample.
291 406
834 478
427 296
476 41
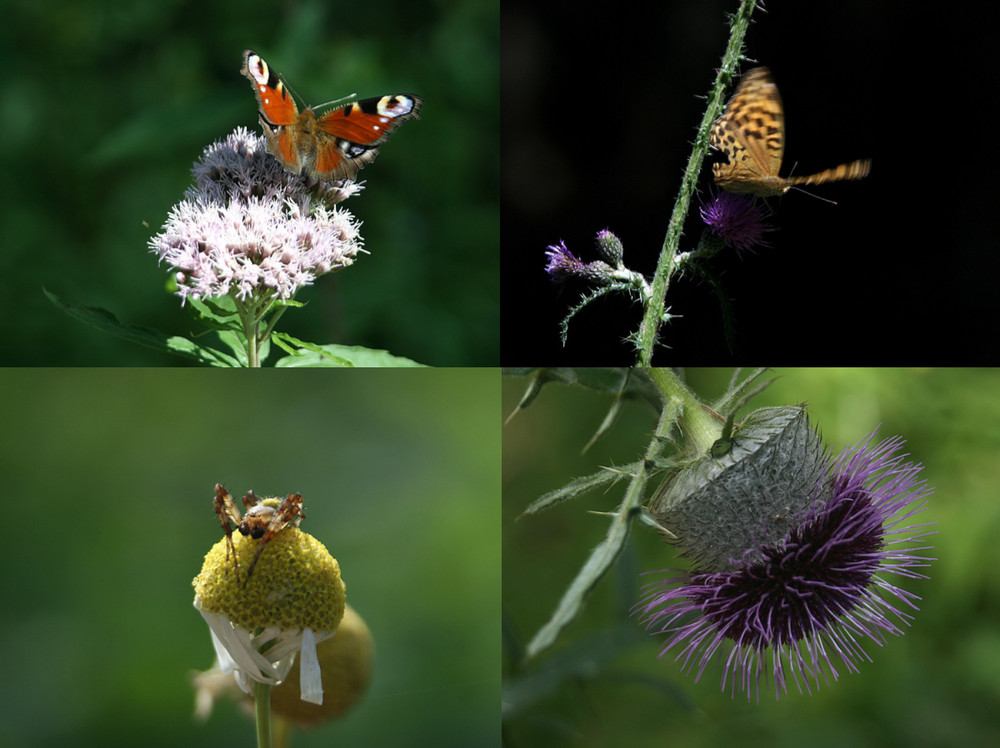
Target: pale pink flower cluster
250 227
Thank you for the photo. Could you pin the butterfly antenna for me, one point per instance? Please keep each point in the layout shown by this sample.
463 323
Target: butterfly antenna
337 101
813 194
807 192
295 94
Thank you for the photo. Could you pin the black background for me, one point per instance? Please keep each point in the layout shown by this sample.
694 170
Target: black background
599 108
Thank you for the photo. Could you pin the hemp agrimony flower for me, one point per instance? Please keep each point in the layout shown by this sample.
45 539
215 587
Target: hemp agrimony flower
250 227
789 551
252 232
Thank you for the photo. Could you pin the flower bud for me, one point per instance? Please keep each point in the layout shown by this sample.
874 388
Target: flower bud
746 490
610 248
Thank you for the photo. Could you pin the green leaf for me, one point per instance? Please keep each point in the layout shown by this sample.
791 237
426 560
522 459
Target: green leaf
580 486
303 353
105 321
622 383
741 392
236 342
217 313
601 559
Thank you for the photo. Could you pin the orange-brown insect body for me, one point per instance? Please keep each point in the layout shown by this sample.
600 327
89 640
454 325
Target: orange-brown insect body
264 519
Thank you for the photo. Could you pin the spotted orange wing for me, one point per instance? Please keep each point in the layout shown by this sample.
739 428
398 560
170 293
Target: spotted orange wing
751 135
333 145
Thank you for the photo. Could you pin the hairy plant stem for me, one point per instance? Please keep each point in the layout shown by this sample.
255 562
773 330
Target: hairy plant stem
653 317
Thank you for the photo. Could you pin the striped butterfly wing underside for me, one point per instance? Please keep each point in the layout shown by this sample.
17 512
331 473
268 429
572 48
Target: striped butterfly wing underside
751 134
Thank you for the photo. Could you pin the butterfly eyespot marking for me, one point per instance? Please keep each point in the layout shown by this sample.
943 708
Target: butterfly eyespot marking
335 144
258 70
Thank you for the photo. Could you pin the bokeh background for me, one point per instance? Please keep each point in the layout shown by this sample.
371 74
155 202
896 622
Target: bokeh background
108 482
108 103
602 685
599 115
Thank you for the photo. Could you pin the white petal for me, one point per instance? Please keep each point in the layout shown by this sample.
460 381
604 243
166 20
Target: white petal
310 675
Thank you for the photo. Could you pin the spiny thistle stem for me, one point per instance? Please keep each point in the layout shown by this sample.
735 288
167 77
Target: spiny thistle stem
653 317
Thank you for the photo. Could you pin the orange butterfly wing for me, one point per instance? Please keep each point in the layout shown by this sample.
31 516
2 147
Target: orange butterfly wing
334 145
751 134
349 137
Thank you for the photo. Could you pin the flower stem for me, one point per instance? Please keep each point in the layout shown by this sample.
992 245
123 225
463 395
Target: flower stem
252 313
248 320
698 425
262 699
270 325
653 317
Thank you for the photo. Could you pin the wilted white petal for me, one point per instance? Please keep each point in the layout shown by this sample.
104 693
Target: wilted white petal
310 677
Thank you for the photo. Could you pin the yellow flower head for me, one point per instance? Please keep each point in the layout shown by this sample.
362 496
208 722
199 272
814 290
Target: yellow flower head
295 584
294 600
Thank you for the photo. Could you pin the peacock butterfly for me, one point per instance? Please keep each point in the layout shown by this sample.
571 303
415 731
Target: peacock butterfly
332 145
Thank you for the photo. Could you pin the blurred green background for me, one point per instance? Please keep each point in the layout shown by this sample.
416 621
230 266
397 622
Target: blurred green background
939 685
107 103
108 478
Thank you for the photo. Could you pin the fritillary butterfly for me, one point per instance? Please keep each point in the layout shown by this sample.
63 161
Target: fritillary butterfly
751 133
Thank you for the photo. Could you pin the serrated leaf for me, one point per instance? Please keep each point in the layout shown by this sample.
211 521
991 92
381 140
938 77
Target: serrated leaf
579 486
621 382
585 299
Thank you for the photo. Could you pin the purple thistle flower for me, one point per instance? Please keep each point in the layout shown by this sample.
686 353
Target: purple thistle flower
250 228
816 592
562 262
738 220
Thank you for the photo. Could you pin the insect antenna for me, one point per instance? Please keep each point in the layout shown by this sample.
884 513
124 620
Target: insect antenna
349 97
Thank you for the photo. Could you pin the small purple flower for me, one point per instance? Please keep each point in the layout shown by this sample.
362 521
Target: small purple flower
738 220
562 262
248 227
794 605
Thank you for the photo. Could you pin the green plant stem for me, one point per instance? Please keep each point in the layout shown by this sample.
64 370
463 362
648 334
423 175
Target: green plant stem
251 313
604 556
262 700
700 427
652 319
248 320
270 325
